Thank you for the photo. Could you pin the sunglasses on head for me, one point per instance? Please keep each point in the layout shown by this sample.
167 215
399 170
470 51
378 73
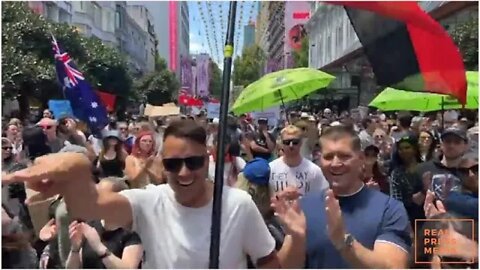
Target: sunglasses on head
174 165
466 171
292 141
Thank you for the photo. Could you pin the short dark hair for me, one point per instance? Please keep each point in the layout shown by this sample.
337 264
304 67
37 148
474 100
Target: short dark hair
405 120
186 129
366 122
335 133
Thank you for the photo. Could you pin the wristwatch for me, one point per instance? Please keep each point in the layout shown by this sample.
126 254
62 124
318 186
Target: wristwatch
348 240
105 255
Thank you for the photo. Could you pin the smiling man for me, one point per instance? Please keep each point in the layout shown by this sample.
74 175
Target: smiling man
172 220
365 228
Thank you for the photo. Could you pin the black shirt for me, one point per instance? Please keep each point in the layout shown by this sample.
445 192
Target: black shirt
261 141
116 241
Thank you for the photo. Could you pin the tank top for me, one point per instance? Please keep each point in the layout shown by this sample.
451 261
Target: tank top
112 167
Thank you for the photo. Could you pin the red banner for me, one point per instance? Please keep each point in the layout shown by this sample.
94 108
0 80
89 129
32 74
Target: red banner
108 100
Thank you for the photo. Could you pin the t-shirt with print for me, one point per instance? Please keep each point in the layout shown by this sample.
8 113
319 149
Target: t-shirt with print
307 176
175 236
369 215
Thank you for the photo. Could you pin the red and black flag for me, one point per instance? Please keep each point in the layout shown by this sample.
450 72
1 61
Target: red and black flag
407 48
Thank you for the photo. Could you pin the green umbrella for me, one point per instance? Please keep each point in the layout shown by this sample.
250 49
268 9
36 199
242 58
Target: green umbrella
392 99
280 87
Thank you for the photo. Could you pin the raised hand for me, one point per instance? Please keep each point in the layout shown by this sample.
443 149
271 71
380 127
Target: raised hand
335 227
287 209
76 235
49 231
427 180
432 207
92 237
49 174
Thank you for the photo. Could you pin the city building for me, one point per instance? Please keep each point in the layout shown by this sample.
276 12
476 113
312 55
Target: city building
171 23
57 11
334 47
106 20
276 31
249 35
261 36
143 18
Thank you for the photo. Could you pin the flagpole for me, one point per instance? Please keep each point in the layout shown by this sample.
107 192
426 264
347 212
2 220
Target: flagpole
219 165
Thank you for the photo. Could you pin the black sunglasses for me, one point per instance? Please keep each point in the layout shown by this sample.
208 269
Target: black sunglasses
7 148
466 171
174 165
292 141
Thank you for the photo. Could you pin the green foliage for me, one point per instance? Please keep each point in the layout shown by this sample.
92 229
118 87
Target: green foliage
27 60
465 36
158 87
249 66
301 57
215 80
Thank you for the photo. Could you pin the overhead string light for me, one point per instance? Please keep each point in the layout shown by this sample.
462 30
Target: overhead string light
212 28
205 27
240 26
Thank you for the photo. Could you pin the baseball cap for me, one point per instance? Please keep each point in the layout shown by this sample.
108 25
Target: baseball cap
257 171
460 133
263 119
408 137
304 115
47 122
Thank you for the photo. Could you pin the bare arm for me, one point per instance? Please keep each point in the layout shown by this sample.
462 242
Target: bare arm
293 252
255 147
383 256
131 257
270 143
74 260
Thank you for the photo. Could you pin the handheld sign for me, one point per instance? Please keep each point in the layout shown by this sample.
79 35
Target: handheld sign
60 108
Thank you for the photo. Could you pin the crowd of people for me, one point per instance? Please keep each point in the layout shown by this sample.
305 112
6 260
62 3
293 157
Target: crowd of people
312 190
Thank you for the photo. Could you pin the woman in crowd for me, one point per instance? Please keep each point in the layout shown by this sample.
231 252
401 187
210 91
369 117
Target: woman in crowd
97 245
427 145
8 158
404 183
111 161
254 180
233 164
373 175
14 134
142 166
68 130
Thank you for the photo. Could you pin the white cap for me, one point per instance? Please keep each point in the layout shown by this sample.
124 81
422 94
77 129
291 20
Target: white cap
216 121
304 115
312 118
327 110
336 123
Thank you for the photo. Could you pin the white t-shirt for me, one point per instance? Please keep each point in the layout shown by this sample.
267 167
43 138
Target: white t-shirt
227 168
175 236
307 176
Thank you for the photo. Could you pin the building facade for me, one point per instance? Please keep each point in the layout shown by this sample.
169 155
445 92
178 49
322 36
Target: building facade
171 23
261 29
334 47
276 30
57 11
249 35
143 18
107 21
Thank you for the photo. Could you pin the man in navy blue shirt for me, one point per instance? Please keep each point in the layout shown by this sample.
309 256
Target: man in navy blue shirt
350 225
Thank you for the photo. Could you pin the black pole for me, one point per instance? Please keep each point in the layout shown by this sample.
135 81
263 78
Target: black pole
219 164
443 115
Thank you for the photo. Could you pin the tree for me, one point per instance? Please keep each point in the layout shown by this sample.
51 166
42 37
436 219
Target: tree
158 87
249 66
27 60
301 57
215 85
465 36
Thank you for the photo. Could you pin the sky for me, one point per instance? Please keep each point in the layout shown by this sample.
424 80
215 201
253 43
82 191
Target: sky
214 25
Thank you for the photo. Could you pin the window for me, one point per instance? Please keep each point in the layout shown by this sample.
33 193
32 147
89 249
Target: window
118 21
97 16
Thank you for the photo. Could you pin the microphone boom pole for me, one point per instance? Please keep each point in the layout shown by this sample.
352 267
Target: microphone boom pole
219 166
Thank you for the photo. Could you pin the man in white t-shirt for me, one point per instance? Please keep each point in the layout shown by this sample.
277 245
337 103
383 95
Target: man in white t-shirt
172 220
294 170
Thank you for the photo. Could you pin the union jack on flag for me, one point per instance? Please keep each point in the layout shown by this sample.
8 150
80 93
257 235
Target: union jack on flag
86 105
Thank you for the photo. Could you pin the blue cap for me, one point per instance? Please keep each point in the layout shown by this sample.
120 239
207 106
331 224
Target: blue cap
257 171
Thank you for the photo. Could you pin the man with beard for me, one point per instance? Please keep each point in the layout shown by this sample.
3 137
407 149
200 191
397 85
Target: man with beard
173 220
365 228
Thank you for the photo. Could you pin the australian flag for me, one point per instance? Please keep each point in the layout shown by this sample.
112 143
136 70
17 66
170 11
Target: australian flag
86 105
